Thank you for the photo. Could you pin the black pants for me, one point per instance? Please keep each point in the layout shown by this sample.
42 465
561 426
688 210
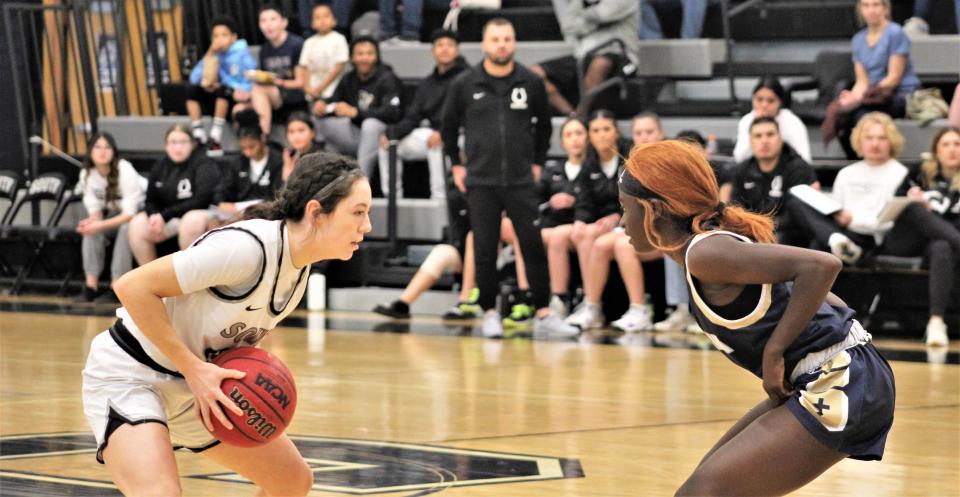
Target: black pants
920 232
486 204
807 220
207 99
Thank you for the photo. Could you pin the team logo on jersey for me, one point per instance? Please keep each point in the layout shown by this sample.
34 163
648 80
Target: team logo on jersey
342 466
184 189
364 99
776 187
518 98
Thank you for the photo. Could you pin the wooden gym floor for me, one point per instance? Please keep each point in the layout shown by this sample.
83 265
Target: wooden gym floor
419 408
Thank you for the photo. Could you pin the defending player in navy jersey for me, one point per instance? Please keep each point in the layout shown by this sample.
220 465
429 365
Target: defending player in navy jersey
769 309
147 387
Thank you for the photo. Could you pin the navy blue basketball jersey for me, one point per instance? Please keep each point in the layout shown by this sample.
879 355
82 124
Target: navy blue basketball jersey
741 328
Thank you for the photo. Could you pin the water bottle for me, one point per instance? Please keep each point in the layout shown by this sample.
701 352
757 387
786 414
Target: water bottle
317 292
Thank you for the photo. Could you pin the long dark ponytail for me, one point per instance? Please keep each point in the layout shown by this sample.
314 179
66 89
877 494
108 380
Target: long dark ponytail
322 176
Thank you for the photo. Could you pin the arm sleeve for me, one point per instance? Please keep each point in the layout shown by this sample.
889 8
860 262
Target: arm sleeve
130 189
411 118
153 203
584 208
205 181
840 187
226 190
795 133
899 43
305 53
741 150
226 258
452 120
541 110
607 11
341 51
388 111
197 73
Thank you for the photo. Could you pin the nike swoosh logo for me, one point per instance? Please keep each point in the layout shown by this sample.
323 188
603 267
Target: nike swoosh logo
250 308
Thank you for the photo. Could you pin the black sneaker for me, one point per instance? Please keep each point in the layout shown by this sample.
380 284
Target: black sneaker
86 296
395 309
107 297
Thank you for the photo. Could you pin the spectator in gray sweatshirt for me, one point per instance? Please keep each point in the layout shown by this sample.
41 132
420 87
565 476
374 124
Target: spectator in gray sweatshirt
589 25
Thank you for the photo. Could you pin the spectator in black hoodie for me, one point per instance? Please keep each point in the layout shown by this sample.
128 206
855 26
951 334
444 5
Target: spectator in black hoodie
762 183
179 192
503 109
254 176
419 130
365 102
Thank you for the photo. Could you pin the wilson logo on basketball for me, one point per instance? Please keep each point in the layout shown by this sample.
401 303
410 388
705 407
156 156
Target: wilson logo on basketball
273 390
254 419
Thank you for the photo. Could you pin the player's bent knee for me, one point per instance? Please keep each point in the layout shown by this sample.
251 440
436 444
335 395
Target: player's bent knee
298 484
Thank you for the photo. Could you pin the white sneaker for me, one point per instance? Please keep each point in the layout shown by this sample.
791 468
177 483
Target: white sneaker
937 333
586 316
492 324
679 319
844 248
916 27
558 307
552 325
635 319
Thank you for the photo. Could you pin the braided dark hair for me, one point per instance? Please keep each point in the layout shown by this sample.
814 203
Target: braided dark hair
323 176
113 177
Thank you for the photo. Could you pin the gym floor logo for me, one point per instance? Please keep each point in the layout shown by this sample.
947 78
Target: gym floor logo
345 466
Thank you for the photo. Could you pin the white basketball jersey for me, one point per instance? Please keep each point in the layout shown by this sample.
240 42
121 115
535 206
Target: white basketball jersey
210 320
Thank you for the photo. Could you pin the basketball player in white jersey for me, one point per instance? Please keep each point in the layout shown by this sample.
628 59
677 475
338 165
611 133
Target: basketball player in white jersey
147 385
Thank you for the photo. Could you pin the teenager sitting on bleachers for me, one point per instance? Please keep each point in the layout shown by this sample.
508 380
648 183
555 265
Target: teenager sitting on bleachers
278 87
769 100
590 24
220 79
419 130
179 192
884 72
559 188
862 189
932 227
324 57
763 182
301 140
254 176
112 194
366 101
597 214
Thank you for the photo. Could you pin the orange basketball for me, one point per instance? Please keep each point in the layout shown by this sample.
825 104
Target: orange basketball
267 395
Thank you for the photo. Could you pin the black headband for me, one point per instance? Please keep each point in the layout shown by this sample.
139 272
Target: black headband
631 186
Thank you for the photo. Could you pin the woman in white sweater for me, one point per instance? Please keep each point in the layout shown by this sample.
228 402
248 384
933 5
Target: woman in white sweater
113 192
769 99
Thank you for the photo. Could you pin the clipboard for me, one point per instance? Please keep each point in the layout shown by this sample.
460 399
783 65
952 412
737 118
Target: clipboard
892 210
820 201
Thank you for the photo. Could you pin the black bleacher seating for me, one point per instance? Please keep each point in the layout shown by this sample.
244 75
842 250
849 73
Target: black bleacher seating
9 187
42 245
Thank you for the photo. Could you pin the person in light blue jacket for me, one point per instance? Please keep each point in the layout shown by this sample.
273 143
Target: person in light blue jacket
229 89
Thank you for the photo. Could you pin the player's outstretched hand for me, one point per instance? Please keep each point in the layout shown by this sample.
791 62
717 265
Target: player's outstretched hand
204 380
773 378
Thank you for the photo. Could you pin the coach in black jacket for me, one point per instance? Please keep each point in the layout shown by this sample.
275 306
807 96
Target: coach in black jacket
418 132
366 101
503 110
